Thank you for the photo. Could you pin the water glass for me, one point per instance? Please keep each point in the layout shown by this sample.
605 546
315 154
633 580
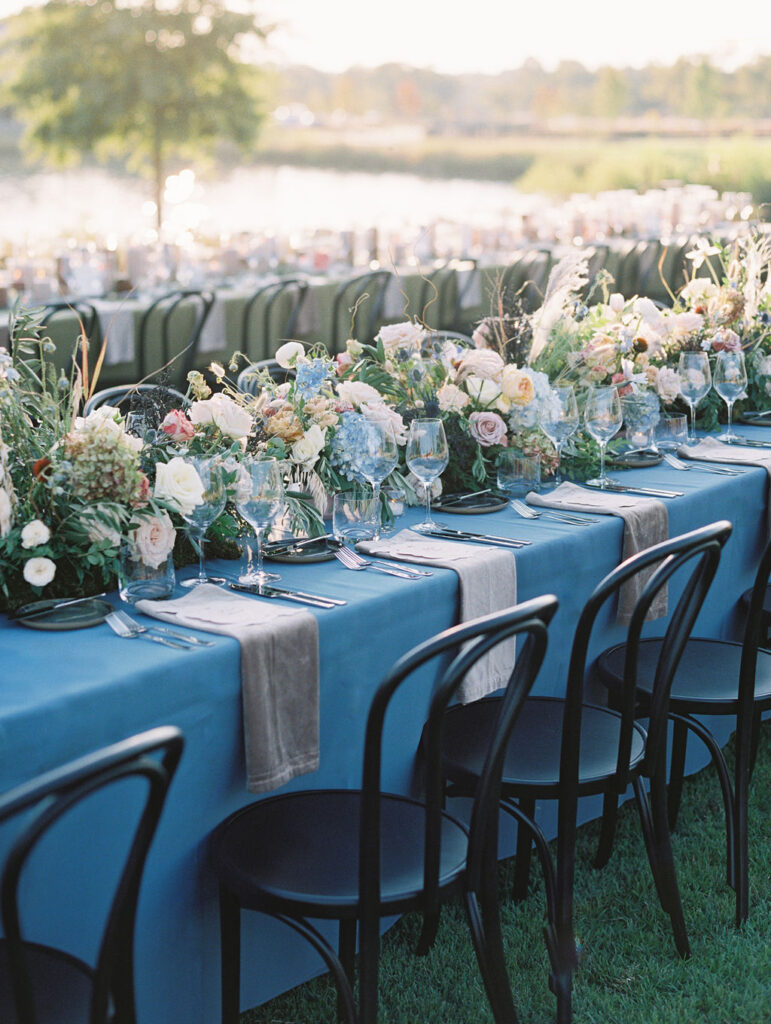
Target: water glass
642 411
427 457
354 517
559 420
139 580
672 433
730 383
603 419
211 472
695 382
518 474
259 499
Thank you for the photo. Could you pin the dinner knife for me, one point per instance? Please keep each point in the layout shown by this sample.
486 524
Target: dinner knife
477 538
295 542
21 614
650 492
749 442
315 602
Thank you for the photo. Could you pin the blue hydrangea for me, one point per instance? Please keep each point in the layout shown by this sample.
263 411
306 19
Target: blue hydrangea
311 376
348 448
526 417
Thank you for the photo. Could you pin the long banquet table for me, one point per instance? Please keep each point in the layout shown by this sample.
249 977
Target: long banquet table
64 694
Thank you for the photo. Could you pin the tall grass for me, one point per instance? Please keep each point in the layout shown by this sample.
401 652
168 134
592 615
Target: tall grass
630 972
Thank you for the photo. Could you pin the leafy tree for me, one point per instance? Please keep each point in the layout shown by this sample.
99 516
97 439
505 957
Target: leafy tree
149 80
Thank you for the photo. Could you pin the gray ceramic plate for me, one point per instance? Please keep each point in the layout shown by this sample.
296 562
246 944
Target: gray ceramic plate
320 552
474 506
76 616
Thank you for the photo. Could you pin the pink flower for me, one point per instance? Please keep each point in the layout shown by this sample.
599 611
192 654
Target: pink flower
344 362
726 340
487 428
178 426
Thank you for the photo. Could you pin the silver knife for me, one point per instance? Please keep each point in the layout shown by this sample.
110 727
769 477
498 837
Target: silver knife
295 542
651 492
749 442
21 614
282 595
313 597
187 637
477 538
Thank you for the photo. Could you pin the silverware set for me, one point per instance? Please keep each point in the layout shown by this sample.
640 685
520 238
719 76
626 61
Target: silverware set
129 629
648 492
353 560
271 591
558 515
448 533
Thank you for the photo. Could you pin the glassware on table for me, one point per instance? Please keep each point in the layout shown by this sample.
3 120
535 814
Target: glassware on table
427 457
211 473
140 580
602 419
518 474
377 456
641 411
671 433
355 517
259 499
695 382
730 382
559 420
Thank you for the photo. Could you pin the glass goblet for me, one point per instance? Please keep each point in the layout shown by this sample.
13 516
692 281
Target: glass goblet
376 457
259 498
559 420
211 473
427 456
730 382
695 382
603 419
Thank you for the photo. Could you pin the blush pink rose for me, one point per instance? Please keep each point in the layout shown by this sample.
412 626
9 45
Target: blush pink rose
726 340
178 426
487 428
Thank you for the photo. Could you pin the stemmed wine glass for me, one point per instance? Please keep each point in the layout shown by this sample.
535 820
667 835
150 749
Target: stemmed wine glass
427 456
211 473
259 497
695 382
559 420
603 419
376 458
730 382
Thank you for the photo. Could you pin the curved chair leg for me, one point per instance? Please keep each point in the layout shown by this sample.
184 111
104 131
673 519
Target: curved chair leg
607 829
330 958
427 934
487 938
346 945
676 770
746 738
644 808
662 846
523 851
230 956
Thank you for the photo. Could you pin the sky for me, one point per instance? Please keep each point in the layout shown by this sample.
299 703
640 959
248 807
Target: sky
493 35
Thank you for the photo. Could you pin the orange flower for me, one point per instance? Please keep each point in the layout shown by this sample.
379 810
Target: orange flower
39 468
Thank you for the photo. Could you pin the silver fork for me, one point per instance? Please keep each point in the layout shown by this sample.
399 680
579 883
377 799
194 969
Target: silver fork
124 626
352 560
560 517
676 463
410 570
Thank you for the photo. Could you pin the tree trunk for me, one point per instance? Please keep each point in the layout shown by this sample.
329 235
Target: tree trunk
158 181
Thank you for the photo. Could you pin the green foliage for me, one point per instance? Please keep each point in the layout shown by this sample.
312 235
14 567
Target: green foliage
146 80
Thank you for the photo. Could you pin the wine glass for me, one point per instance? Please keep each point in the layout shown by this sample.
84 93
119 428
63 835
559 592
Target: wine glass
559 420
730 382
211 473
377 457
603 419
695 382
427 456
259 497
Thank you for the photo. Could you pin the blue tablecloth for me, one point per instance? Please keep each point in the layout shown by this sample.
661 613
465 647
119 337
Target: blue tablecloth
63 694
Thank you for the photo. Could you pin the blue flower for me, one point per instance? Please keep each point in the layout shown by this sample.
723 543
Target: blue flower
311 376
349 446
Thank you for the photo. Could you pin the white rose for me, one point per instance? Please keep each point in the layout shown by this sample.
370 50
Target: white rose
6 513
683 324
34 534
154 539
39 571
106 417
481 362
405 335
484 392
177 481
98 531
699 288
668 384
616 302
451 398
306 450
356 392
354 348
379 412
289 354
228 416
648 310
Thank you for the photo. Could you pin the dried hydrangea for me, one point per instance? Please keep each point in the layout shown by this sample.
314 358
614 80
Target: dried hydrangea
100 466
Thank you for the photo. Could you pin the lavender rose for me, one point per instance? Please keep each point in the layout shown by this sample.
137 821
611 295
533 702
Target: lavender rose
487 428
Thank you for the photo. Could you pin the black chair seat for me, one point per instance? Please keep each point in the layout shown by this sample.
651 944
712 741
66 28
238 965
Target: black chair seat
534 750
61 986
707 678
311 861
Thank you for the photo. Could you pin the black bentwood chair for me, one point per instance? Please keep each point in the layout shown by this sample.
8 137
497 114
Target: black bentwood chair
714 677
126 396
169 333
357 856
563 749
43 985
282 300
248 380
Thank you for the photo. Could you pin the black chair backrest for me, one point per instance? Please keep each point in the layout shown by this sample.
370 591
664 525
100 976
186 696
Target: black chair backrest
80 308
701 548
248 382
151 755
475 639
754 635
271 296
186 307
357 308
126 396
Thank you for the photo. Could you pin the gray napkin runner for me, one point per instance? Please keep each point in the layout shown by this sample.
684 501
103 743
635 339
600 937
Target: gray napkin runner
487 582
279 676
711 449
646 522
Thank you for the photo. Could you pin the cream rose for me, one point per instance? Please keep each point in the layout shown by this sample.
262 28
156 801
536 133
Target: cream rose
517 386
451 398
699 289
176 481
153 539
34 534
356 393
290 354
228 416
668 384
379 412
405 335
484 392
487 428
481 362
682 324
39 571
306 450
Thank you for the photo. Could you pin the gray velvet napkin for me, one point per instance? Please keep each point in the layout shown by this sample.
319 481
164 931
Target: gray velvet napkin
646 522
487 582
279 676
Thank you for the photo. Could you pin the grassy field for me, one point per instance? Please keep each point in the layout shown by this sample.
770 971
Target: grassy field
558 165
630 973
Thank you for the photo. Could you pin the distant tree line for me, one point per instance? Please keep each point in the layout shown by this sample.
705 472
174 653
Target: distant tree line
690 88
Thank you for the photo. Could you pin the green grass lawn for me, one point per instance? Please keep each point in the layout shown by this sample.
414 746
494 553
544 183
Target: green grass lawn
630 972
